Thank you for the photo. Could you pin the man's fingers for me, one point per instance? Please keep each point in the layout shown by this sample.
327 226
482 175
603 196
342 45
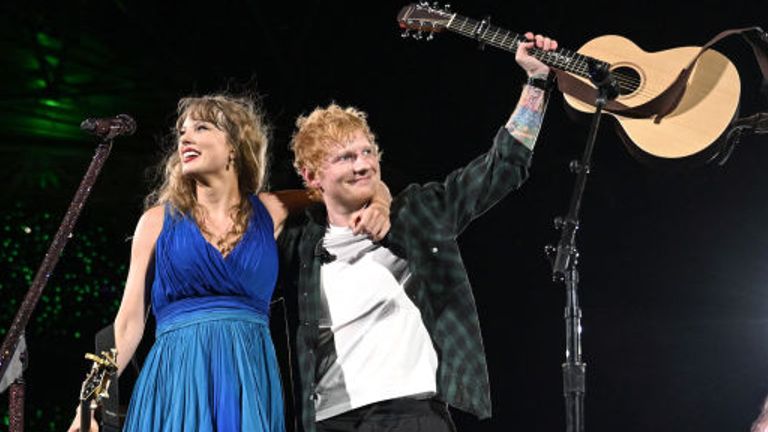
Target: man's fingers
373 223
357 224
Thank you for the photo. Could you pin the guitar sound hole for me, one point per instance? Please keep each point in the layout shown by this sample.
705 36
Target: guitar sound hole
628 79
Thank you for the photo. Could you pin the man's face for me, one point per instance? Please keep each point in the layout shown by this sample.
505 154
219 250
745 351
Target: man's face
349 175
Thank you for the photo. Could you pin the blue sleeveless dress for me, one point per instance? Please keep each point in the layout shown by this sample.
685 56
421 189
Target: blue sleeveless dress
213 365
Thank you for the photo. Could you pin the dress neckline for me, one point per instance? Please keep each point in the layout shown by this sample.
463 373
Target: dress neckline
246 232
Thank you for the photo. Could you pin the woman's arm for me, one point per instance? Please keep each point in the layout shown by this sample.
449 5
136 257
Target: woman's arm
282 203
129 323
372 220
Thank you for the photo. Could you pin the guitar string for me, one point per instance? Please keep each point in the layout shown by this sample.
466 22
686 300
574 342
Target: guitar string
564 59
498 39
573 62
470 28
577 64
579 67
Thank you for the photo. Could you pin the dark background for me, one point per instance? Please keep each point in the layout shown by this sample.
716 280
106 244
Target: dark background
673 260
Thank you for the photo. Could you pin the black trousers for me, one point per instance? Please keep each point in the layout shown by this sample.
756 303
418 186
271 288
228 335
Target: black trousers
396 415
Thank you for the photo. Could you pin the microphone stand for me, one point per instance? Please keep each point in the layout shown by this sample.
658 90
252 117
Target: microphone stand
564 259
16 398
64 233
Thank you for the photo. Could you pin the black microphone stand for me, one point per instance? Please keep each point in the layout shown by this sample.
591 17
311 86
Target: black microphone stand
64 233
565 256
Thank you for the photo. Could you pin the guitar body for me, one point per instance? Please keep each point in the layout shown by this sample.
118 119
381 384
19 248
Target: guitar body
693 128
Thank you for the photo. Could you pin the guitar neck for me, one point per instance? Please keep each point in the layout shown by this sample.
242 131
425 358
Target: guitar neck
561 59
85 415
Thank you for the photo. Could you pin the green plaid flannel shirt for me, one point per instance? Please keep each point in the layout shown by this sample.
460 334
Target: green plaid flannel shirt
426 219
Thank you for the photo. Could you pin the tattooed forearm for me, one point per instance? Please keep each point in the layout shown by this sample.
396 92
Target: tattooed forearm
525 122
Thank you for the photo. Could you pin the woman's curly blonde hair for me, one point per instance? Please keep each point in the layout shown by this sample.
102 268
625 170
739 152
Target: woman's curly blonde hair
243 122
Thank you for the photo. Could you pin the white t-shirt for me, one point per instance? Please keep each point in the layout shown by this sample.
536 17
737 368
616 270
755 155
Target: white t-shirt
373 343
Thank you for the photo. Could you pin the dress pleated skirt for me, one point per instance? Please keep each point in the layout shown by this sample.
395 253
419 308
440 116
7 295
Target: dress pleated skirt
209 371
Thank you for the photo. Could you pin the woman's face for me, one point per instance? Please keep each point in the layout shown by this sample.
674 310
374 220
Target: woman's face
203 148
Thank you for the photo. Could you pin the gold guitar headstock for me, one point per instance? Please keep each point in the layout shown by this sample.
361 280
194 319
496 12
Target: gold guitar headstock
96 384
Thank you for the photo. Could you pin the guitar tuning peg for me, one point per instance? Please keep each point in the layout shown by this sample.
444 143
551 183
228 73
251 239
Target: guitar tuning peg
405 34
430 37
447 7
435 5
418 35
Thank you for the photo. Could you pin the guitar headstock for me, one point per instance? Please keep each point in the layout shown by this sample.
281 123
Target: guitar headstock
96 384
422 18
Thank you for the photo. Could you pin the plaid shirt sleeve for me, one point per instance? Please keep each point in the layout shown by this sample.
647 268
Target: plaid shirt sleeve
468 192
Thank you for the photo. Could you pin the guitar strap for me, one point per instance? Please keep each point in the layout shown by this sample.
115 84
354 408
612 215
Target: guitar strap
667 101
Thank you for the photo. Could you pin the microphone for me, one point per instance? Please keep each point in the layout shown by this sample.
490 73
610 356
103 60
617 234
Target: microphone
109 127
323 254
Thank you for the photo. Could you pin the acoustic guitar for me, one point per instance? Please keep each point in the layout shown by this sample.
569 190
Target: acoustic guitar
692 130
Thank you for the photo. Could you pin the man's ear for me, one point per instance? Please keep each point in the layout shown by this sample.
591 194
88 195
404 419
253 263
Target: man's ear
310 178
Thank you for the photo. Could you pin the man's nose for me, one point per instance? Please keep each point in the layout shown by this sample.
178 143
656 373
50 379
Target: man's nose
361 163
